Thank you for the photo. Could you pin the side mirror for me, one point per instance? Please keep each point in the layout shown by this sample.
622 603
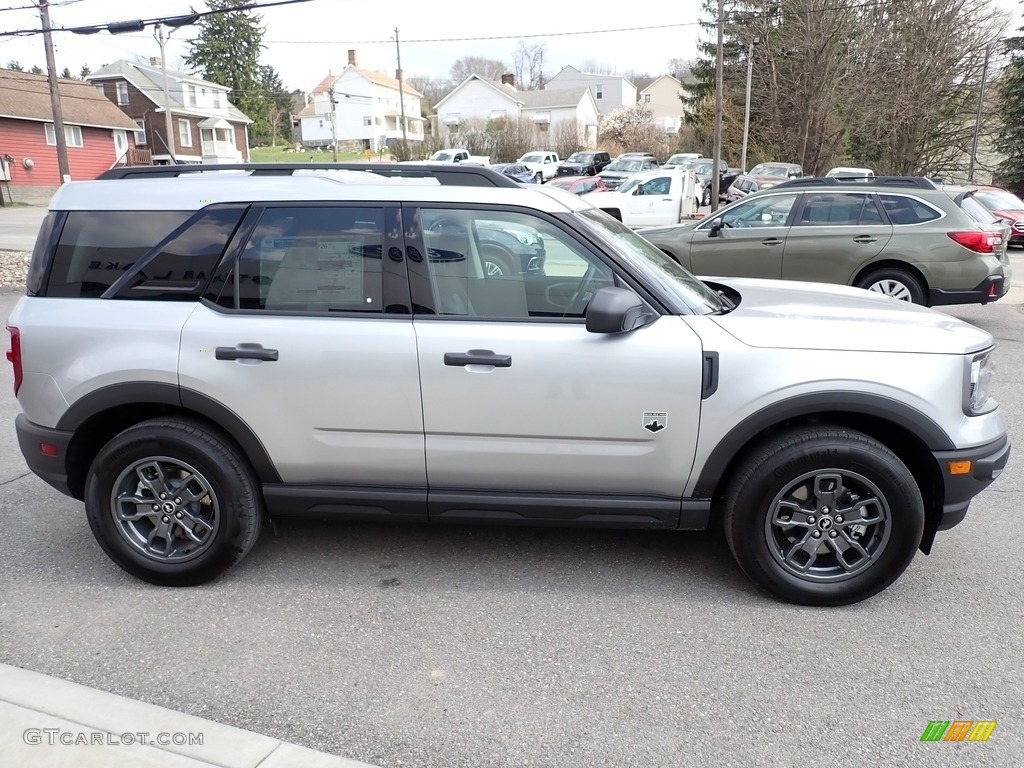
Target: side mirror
715 228
616 310
638 190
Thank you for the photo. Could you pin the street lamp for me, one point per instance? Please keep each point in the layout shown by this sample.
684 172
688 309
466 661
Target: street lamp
746 110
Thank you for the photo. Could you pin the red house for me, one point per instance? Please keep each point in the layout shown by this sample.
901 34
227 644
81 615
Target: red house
97 133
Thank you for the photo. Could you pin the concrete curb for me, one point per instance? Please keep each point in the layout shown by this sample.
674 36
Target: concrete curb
46 722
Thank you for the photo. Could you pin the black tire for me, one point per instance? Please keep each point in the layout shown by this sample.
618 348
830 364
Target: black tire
539 178
894 282
705 199
184 480
807 486
497 261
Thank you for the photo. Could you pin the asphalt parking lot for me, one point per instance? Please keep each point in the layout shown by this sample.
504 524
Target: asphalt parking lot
477 646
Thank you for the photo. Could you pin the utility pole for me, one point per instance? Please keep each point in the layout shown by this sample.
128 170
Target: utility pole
977 121
334 113
64 169
158 33
401 95
716 152
746 109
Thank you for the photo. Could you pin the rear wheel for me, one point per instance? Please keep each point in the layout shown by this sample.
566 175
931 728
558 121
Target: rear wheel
706 197
821 516
497 261
172 503
894 282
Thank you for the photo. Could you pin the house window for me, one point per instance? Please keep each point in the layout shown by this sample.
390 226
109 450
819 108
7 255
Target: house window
72 135
185 133
101 90
367 121
647 98
598 92
140 135
122 94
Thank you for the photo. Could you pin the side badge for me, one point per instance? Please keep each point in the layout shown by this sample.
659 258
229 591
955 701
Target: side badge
655 421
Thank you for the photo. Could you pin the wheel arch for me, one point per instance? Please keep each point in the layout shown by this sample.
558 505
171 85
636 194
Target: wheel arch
910 434
903 266
103 413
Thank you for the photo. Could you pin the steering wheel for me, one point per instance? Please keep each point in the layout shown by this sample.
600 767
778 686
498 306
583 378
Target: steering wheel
439 225
580 298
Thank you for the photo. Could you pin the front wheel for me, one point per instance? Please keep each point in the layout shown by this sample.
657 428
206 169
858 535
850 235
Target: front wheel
172 503
706 197
821 516
895 283
539 178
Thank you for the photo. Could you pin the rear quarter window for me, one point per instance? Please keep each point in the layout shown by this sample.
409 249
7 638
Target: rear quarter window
97 247
907 210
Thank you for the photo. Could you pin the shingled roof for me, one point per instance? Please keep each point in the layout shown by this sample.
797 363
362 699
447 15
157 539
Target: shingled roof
26 96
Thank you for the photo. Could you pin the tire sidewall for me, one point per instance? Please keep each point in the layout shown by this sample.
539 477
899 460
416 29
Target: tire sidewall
752 506
911 283
231 488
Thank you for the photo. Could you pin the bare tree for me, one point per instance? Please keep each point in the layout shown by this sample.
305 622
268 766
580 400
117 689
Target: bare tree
528 65
489 69
433 89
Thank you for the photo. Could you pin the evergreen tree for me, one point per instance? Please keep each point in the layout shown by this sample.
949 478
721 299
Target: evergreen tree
15 65
85 71
1010 140
66 73
227 51
36 69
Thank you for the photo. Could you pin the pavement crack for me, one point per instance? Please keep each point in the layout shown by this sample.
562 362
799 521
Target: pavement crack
15 479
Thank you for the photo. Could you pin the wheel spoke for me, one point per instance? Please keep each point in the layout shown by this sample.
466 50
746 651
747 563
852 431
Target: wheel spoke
191 490
800 556
842 545
864 511
161 531
789 513
151 475
827 487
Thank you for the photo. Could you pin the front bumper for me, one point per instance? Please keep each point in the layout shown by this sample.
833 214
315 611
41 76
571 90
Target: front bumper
45 451
987 462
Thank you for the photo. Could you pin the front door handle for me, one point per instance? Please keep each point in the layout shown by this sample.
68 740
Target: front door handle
772 241
246 351
477 357
864 239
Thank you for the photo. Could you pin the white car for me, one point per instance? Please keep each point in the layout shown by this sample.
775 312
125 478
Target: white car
851 174
651 198
542 164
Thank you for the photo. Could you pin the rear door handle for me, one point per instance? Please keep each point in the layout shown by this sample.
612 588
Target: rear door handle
772 241
478 357
246 351
864 239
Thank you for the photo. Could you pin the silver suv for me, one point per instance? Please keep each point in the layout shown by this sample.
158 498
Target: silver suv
199 353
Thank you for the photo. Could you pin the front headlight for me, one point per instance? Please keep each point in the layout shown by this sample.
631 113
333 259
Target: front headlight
978 387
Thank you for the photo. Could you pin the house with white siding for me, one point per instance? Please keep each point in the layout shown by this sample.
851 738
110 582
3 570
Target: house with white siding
662 98
367 108
479 99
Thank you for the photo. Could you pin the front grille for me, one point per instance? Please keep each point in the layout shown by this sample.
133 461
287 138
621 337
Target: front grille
1018 226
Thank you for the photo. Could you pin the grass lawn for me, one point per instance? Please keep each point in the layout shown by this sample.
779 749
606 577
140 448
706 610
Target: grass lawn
279 155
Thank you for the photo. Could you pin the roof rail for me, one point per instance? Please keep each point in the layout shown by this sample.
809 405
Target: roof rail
454 175
918 182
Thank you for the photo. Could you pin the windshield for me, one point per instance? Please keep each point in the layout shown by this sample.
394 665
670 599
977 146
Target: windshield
678 160
977 211
769 170
580 157
531 159
701 168
627 186
999 201
441 155
624 165
655 265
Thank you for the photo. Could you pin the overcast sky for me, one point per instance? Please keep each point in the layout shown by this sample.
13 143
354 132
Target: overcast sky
305 40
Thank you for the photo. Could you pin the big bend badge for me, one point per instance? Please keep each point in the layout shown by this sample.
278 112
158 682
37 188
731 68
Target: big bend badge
655 421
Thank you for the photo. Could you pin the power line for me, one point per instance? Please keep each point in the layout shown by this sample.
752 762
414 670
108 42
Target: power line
137 25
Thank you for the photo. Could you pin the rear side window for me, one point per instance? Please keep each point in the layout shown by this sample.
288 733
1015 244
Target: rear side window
97 247
319 259
838 210
907 210
40 255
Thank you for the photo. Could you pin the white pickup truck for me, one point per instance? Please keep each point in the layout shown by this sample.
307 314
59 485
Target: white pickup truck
444 156
542 164
652 198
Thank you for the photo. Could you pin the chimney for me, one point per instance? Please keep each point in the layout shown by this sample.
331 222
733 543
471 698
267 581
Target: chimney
508 79
352 57
154 61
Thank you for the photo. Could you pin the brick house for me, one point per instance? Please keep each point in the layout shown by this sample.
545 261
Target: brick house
205 126
98 135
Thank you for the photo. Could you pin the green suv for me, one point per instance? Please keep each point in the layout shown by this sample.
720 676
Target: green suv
902 236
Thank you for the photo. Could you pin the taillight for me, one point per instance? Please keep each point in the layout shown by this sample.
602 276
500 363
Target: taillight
14 355
979 242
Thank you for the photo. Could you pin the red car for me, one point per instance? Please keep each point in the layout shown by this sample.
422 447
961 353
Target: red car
579 185
1005 205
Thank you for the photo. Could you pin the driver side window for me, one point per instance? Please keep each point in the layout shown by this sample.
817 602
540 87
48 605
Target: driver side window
505 264
771 211
659 186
